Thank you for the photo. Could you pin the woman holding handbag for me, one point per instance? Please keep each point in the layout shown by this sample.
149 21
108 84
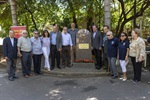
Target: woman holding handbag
137 54
123 54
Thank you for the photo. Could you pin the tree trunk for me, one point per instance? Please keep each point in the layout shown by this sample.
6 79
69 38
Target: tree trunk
90 16
73 12
134 20
107 19
74 19
13 11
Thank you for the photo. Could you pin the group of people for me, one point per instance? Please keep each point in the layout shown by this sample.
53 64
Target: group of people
50 45
56 44
121 49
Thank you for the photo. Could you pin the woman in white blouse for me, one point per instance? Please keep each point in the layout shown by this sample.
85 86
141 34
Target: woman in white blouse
46 48
137 54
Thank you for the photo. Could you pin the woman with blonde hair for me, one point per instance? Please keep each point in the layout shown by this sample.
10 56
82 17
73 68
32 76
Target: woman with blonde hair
137 54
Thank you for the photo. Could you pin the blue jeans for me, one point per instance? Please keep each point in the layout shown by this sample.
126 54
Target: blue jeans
112 64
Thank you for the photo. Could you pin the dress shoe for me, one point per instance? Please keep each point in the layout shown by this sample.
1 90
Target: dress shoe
52 68
114 77
59 67
95 66
11 78
26 76
107 70
36 74
69 66
40 73
30 75
15 77
63 66
135 81
98 68
105 67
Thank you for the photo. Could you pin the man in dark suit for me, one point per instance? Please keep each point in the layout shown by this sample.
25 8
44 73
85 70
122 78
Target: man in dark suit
10 54
56 46
96 40
105 42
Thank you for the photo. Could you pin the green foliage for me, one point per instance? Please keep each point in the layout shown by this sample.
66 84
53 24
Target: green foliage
5 19
40 14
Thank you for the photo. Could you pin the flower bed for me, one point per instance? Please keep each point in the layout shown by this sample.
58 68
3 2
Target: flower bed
84 61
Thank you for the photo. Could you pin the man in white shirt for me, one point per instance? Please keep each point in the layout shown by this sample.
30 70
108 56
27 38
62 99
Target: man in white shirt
66 46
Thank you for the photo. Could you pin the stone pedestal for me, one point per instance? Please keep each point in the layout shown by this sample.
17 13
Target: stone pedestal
83 45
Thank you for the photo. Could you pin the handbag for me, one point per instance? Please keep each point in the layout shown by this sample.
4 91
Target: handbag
117 62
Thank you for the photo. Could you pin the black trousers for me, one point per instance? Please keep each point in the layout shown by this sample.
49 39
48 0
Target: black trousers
37 63
105 60
55 54
26 62
137 68
66 55
97 54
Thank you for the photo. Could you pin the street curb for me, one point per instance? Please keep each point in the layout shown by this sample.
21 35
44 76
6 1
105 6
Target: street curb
68 74
77 74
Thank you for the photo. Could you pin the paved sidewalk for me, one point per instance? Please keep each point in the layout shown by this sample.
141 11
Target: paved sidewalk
77 70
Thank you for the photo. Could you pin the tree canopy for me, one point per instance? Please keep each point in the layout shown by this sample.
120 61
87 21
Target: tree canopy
40 14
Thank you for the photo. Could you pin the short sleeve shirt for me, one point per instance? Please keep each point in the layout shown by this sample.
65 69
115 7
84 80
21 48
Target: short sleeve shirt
123 45
24 44
112 47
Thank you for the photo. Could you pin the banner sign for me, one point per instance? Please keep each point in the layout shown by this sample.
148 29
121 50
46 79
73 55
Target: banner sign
18 30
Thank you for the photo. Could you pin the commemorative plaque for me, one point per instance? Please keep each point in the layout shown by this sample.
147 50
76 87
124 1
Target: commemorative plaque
83 45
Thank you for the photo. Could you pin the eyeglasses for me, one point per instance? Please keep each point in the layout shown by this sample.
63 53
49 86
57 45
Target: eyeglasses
108 35
35 33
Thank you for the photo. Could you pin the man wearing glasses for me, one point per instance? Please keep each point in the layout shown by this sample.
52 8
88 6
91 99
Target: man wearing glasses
112 53
66 48
36 52
24 51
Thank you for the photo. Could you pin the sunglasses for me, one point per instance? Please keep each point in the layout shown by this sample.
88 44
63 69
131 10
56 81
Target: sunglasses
35 33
